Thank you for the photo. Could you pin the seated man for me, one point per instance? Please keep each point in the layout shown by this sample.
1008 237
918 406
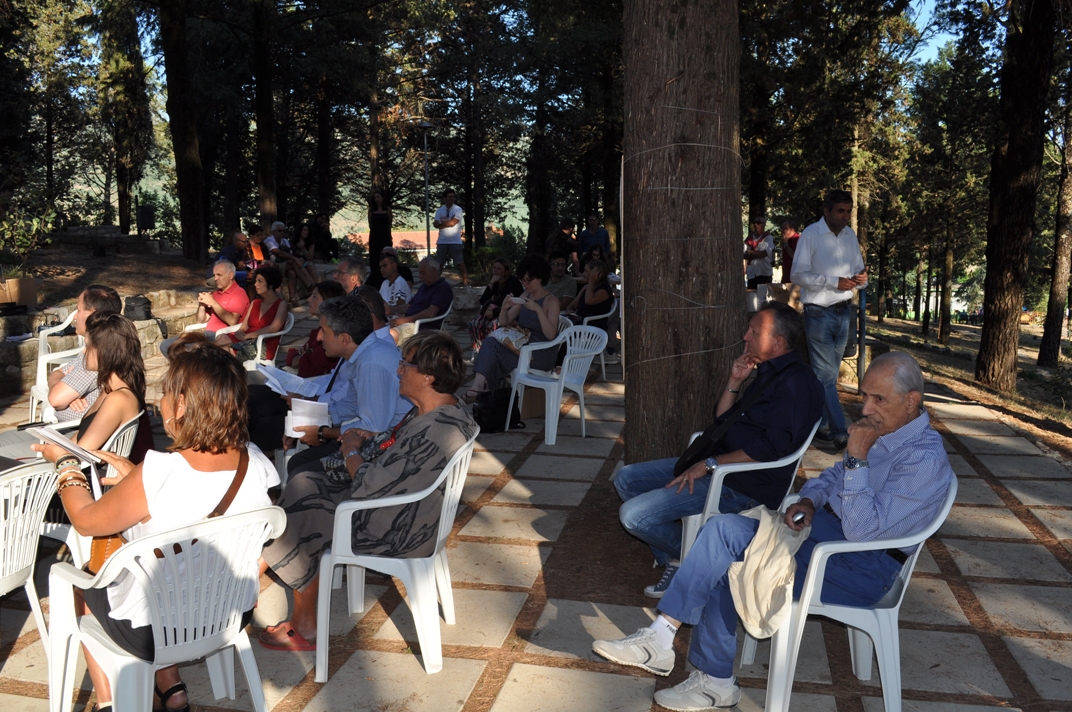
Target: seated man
892 483
561 285
350 273
237 253
772 420
432 298
220 309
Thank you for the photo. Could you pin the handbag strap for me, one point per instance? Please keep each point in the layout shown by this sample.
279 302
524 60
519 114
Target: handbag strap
714 433
236 483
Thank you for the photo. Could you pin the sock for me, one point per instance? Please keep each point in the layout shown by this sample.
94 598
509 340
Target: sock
722 681
664 633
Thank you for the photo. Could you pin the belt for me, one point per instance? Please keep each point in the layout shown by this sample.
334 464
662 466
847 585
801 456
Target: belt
837 306
896 554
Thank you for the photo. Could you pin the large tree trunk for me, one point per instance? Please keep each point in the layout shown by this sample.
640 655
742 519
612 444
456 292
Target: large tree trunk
946 313
232 162
182 123
479 193
883 278
1015 173
282 169
264 105
1050 347
925 328
917 300
684 309
325 188
612 158
538 180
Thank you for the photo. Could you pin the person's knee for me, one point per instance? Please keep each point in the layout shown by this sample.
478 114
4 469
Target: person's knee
632 515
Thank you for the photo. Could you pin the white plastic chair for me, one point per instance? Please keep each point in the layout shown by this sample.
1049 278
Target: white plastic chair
583 343
597 317
878 624
442 319
46 359
121 442
690 525
421 577
25 492
251 365
283 455
196 590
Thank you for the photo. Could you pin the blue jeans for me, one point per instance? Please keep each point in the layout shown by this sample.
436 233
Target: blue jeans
828 333
699 596
652 513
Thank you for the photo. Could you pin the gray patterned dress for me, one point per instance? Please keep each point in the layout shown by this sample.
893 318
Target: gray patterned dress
423 445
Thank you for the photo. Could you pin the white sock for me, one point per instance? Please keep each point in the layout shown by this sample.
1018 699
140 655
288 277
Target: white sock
722 681
664 632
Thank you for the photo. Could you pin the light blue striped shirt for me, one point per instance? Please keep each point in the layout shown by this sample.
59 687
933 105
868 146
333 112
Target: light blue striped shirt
374 386
898 494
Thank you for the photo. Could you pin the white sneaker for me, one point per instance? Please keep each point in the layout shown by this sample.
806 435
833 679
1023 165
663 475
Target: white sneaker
638 650
698 693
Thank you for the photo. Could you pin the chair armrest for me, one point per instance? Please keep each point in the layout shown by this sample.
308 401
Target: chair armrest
196 327
229 329
524 358
62 571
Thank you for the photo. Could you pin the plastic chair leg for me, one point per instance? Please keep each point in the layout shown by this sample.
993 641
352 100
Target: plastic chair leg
783 661
889 661
602 365
35 606
221 672
860 648
132 686
551 407
510 406
323 615
336 579
580 405
253 673
355 588
423 604
690 529
446 592
748 649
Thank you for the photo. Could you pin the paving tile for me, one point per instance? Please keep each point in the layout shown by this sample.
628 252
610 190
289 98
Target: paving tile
484 618
560 468
816 459
948 446
930 601
596 412
1023 562
1005 466
567 628
538 492
1044 492
379 682
945 662
513 441
977 427
754 700
875 704
812 663
958 411
489 463
567 445
605 387
615 399
998 445
516 523
561 690
961 468
275 603
1035 608
14 703
1046 663
280 672
975 490
593 428
1059 522
926 563
31 665
984 521
15 623
474 487
499 564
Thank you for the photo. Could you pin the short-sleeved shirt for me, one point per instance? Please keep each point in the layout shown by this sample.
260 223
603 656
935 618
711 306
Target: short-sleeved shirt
233 254
563 243
391 291
592 238
760 266
439 294
449 235
82 381
233 299
565 287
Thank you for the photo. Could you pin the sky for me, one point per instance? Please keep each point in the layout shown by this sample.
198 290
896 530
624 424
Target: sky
925 8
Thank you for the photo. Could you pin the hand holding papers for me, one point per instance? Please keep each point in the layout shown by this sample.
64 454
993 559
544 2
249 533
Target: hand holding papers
285 383
306 413
56 438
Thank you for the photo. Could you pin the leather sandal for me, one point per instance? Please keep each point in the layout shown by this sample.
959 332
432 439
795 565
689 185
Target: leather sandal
168 694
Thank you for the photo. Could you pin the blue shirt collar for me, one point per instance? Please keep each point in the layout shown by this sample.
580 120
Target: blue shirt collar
907 432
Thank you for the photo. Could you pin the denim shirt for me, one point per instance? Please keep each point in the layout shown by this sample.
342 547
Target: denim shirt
374 385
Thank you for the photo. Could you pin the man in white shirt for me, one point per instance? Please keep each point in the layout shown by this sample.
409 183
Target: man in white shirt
759 254
448 219
828 266
394 289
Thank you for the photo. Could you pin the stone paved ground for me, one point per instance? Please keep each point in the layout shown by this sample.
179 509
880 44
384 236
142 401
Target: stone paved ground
987 622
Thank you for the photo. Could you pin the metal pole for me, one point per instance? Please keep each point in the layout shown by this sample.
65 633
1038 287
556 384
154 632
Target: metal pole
427 217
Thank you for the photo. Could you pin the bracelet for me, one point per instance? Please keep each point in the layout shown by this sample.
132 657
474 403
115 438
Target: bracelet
352 453
74 483
320 433
74 475
73 471
66 460
733 391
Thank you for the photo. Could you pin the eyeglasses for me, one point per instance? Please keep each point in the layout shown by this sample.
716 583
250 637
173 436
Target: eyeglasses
402 363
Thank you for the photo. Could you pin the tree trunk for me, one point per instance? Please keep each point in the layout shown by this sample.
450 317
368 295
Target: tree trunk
684 309
612 159
926 327
479 193
325 189
917 302
264 106
883 279
182 123
1015 173
946 313
282 171
757 155
232 162
538 180
50 152
1050 347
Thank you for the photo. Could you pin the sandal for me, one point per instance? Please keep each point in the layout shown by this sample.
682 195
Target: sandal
168 694
295 642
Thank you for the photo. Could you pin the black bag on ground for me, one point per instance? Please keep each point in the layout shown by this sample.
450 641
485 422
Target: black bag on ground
489 411
138 308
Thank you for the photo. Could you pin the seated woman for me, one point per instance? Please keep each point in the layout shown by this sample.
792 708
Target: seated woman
595 252
204 410
503 284
537 312
309 359
266 314
302 248
595 296
406 458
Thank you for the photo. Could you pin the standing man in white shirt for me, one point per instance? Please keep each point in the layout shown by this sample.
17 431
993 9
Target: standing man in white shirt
449 221
759 254
828 266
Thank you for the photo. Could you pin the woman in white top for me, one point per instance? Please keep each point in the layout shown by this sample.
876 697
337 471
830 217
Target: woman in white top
204 409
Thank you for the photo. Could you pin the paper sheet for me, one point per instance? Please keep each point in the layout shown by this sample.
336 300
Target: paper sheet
283 383
305 412
56 438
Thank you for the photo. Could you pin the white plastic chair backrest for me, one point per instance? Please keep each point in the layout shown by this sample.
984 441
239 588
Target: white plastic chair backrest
44 349
525 357
197 578
25 492
122 440
43 346
583 343
260 340
563 323
597 317
456 469
442 318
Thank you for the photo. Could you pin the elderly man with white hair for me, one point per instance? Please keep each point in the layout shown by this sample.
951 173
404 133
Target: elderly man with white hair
433 297
220 309
892 483
278 247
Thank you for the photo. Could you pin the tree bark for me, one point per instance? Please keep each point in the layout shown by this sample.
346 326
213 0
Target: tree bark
538 180
925 329
684 302
1015 173
1050 346
232 162
264 106
917 301
883 278
946 313
182 123
325 188
612 158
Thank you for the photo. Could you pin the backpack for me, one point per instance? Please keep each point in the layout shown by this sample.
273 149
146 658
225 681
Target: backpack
138 308
489 411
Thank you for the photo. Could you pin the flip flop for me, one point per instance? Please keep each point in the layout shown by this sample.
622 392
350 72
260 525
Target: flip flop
296 642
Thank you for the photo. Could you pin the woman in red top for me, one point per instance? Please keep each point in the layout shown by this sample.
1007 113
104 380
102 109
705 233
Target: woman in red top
267 314
790 237
310 359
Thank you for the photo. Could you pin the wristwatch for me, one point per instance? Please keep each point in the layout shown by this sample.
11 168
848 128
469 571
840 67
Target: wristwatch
710 463
852 463
320 433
